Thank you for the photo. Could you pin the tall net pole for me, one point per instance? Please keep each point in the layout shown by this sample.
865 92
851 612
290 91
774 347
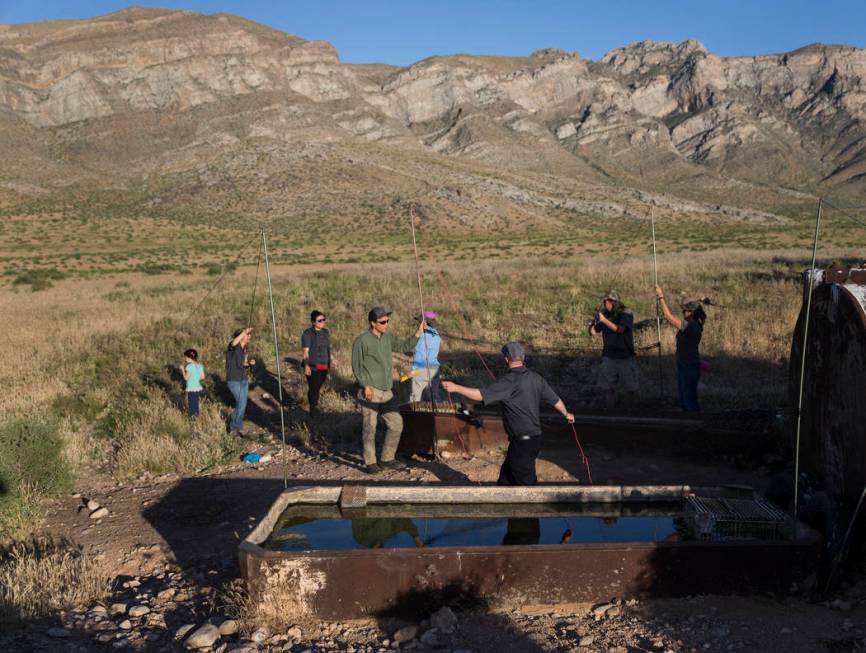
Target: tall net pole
658 304
424 333
811 281
277 357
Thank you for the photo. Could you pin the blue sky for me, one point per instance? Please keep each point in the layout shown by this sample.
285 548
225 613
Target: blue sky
402 32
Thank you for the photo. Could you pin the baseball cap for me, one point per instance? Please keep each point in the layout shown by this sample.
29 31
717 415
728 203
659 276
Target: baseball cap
376 313
513 351
611 294
428 315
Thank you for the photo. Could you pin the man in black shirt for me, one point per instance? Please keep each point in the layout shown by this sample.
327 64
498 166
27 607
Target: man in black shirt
520 392
237 363
618 372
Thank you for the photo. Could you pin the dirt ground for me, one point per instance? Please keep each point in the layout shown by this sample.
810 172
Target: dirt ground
177 538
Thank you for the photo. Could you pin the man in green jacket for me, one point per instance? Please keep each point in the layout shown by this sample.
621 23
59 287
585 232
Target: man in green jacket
373 369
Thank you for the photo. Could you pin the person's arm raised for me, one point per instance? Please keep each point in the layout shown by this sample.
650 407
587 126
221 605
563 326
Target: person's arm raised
672 319
238 337
407 344
618 328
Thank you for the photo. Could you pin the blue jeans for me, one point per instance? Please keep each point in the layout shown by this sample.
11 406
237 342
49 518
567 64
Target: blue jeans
192 399
239 390
687 385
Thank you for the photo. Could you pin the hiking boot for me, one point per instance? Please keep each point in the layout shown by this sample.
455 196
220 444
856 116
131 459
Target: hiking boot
373 469
392 464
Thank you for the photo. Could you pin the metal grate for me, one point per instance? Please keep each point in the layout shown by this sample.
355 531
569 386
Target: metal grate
711 518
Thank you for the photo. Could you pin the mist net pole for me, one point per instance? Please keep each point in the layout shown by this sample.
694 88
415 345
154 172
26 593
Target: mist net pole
803 360
658 306
424 333
277 357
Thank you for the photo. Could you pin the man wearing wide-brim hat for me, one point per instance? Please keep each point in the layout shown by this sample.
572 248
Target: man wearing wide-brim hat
373 367
617 373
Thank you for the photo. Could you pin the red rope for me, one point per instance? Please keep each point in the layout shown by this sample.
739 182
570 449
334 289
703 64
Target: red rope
466 455
583 457
484 363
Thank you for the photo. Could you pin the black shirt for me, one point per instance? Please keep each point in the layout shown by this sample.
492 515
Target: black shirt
688 339
618 345
319 344
235 370
520 392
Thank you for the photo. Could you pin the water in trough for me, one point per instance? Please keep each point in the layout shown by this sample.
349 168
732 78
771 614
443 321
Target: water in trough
316 528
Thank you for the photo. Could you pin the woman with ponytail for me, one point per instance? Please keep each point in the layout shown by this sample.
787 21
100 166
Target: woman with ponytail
689 331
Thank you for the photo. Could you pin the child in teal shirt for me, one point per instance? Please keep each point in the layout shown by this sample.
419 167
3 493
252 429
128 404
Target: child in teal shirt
193 373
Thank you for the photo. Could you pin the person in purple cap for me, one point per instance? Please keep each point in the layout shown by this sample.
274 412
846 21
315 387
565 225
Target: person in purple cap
425 360
520 392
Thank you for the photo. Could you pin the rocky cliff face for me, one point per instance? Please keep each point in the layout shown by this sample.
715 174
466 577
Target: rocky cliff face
164 91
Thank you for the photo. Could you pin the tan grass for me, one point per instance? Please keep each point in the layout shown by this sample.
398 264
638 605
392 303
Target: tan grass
161 438
276 609
21 512
38 579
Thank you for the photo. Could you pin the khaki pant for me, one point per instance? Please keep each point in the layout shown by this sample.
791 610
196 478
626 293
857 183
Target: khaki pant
382 404
421 378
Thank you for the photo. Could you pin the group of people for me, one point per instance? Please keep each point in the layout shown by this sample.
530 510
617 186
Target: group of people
618 377
520 391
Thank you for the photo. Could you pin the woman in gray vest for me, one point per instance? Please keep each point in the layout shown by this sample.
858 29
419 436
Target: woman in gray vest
316 344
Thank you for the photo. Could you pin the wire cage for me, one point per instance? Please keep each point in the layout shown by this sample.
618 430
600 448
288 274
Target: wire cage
711 518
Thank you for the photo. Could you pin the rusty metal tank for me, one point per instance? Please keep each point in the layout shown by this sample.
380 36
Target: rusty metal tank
833 429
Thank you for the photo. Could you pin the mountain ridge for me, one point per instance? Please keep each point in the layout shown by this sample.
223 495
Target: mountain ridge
113 95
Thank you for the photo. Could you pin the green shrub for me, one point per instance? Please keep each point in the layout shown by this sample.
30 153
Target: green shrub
156 268
214 269
32 466
38 279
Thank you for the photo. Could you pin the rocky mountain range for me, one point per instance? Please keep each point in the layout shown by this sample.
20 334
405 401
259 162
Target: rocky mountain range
175 111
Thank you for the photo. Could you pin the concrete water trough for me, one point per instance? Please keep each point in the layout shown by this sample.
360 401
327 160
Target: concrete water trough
542 545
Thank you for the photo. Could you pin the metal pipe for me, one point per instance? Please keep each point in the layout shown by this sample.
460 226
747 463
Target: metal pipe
277 356
658 301
803 360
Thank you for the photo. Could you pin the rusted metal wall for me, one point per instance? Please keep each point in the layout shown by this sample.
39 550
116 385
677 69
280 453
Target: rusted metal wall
456 434
413 581
833 430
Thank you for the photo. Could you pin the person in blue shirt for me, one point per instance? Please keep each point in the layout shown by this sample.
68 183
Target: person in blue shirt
193 373
425 361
